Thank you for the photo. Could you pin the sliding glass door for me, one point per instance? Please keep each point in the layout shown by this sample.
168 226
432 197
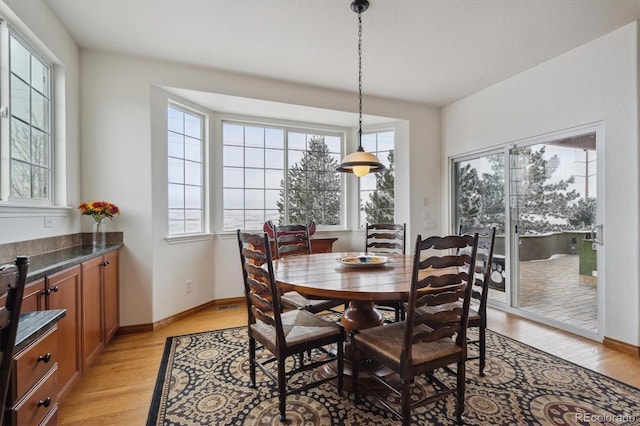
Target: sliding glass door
480 201
553 200
541 195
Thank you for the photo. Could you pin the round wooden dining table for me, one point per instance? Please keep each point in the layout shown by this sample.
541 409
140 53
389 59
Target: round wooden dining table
324 276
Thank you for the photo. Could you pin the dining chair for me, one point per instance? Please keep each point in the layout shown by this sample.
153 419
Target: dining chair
418 346
386 238
12 279
294 240
283 334
480 289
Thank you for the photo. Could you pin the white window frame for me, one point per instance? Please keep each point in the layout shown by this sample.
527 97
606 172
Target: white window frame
203 181
286 126
7 200
367 132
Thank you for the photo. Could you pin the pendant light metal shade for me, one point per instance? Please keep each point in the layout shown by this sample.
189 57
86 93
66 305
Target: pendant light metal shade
360 163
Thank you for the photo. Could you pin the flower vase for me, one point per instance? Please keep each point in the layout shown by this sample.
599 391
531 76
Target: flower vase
99 234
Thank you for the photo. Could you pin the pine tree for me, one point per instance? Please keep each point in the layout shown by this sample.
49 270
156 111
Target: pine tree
543 206
469 199
313 187
380 206
492 194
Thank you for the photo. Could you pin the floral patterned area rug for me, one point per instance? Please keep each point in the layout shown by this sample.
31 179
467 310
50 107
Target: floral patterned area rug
204 380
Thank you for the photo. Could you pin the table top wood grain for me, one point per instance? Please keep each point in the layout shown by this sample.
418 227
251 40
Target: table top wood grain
324 276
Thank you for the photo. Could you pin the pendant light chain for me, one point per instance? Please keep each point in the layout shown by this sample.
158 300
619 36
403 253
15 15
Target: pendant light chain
360 79
360 163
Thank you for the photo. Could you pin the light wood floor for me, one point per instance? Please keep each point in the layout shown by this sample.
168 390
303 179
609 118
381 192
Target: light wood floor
117 388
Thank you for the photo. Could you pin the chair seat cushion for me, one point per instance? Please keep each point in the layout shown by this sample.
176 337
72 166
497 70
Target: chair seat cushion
387 340
299 327
293 298
474 316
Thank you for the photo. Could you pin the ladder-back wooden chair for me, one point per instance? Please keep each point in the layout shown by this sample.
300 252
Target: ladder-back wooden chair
480 290
283 334
12 279
294 240
424 342
386 239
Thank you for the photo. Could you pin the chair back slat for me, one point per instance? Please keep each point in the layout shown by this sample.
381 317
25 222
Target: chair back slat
441 280
446 317
446 261
445 294
433 335
12 281
292 240
261 294
385 238
484 258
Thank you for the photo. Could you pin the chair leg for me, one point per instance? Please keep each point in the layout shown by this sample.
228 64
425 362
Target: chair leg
406 402
252 362
483 345
355 367
340 354
460 392
282 389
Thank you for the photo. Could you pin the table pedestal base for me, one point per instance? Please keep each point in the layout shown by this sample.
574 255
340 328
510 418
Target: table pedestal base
358 316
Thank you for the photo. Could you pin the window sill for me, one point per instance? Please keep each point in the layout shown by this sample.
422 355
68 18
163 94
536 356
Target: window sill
25 210
187 238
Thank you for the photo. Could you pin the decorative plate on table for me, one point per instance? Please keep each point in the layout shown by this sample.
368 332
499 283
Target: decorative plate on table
364 261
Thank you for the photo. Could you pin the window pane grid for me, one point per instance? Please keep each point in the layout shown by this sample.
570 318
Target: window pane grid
30 111
289 176
377 190
185 149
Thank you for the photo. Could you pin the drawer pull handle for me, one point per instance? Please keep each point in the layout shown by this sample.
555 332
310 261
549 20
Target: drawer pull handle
46 357
46 402
49 290
105 263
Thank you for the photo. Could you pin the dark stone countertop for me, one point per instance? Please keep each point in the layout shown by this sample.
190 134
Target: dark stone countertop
34 324
49 263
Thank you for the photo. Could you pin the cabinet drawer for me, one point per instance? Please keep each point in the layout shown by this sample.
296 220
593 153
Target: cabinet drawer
33 362
38 403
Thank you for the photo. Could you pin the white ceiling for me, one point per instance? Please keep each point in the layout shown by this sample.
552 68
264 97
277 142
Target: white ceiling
428 51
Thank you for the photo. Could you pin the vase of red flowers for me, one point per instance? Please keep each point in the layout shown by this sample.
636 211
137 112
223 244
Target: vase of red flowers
99 210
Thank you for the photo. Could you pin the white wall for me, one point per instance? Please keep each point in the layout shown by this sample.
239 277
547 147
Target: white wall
595 82
120 137
36 22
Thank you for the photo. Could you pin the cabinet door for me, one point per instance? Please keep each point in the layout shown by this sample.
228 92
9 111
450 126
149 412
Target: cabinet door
33 296
91 317
110 293
63 292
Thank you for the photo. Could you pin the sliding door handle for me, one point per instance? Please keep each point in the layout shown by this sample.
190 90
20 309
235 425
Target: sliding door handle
597 234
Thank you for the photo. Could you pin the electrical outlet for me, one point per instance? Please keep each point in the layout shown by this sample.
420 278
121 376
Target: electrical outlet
48 222
188 284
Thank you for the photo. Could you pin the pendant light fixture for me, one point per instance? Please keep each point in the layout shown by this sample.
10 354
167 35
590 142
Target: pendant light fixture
360 163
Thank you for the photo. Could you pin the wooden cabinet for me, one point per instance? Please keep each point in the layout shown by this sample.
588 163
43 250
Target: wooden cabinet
100 305
111 295
33 298
318 245
89 293
62 291
322 245
91 318
33 395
